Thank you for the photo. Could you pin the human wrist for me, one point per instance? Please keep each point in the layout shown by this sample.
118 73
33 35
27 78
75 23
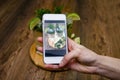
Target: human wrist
98 64
97 61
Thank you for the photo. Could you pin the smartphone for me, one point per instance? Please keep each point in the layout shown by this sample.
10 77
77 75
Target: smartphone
54 38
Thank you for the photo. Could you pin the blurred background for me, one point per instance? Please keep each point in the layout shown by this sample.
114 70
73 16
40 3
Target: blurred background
99 30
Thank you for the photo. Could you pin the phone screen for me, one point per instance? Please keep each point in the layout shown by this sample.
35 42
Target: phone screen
55 38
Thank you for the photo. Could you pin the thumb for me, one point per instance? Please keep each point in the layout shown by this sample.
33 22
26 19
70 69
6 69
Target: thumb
68 57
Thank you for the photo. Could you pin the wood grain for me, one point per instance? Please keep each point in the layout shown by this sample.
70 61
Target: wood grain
99 30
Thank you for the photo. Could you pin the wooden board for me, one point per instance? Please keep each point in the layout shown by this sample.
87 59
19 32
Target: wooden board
37 58
99 30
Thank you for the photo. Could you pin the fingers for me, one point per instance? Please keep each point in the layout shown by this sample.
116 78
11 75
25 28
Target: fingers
40 49
68 57
40 39
50 66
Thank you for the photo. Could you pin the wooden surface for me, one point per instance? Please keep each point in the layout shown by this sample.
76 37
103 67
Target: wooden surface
99 30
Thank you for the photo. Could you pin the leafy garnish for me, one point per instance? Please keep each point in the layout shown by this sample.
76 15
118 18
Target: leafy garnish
73 16
40 12
77 40
58 9
34 22
38 28
36 25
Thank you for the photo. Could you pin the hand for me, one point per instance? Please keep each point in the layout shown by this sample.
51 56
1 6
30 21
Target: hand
79 58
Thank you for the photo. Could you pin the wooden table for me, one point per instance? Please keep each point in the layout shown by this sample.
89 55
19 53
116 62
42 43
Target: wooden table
99 30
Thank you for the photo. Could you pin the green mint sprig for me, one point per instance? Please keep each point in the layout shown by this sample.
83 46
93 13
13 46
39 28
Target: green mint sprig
35 23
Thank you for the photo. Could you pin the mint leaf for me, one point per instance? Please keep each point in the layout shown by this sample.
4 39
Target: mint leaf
40 12
58 9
